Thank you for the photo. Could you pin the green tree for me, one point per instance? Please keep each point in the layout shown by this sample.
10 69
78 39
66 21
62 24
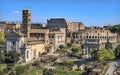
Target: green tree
117 51
2 37
2 73
61 46
94 54
10 66
115 28
2 57
69 44
75 50
48 72
108 45
105 55
12 56
21 69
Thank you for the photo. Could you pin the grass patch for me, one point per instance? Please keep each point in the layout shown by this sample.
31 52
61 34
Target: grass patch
35 72
74 72
72 46
65 68
66 48
62 70
2 66
60 51
67 73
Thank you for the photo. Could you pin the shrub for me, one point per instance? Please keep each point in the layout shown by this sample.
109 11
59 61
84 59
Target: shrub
2 73
74 50
61 46
10 66
48 72
36 63
21 69
69 44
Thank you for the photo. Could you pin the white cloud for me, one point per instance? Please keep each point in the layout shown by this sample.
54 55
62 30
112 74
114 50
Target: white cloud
16 12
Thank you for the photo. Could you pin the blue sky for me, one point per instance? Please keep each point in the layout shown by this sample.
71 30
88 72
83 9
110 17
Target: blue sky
90 12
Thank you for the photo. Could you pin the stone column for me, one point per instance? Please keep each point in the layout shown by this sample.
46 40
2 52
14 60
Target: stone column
75 36
7 46
27 55
17 49
87 52
84 51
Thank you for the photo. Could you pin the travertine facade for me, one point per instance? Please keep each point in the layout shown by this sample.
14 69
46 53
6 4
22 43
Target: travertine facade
26 22
33 50
56 39
75 26
6 26
12 25
40 34
2 28
101 34
90 45
30 48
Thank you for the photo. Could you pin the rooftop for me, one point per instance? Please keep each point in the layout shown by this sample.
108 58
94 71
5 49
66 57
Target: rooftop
35 42
57 19
31 39
39 30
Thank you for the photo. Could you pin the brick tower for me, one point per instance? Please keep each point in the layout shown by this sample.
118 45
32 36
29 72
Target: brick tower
26 22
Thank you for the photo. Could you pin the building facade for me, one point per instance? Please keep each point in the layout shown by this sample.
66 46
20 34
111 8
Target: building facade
75 26
56 39
43 34
40 34
14 41
3 26
29 48
91 45
12 25
26 22
33 50
7 26
33 42
101 34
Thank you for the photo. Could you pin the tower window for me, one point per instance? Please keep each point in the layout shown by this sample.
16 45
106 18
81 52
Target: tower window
29 19
29 14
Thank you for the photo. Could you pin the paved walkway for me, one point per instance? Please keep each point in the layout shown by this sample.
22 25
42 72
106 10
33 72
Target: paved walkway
111 69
